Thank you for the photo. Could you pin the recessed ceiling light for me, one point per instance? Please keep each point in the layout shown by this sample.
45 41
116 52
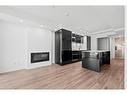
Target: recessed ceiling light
41 25
67 13
21 20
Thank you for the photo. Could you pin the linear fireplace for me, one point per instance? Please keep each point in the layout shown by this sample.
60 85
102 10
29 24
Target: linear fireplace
39 57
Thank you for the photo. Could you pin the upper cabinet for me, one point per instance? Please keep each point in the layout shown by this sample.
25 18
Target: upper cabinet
88 42
73 37
77 38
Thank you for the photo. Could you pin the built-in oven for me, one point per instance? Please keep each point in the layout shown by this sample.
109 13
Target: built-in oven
76 56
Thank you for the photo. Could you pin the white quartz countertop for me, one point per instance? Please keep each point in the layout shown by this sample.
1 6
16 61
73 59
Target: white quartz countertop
95 50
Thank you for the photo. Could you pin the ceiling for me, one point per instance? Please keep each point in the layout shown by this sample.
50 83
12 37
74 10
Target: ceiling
74 18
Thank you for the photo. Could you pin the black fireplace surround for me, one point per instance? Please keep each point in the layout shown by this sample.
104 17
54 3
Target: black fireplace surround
39 57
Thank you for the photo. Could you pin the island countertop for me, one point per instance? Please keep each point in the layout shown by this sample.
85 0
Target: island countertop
95 50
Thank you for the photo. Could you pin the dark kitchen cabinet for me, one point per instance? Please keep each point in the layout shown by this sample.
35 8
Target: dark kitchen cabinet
93 60
66 39
76 56
77 38
80 39
63 47
73 37
88 43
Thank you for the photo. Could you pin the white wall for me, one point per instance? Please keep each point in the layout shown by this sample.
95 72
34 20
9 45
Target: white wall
53 46
13 46
39 40
17 41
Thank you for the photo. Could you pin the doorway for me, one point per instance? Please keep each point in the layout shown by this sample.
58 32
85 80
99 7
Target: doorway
103 43
119 47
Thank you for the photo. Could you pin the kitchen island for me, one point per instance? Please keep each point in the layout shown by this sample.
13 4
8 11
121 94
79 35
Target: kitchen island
94 59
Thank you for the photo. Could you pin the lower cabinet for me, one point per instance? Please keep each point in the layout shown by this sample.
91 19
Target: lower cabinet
76 56
94 60
70 57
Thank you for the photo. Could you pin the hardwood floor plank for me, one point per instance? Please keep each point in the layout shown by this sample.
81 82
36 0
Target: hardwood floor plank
71 76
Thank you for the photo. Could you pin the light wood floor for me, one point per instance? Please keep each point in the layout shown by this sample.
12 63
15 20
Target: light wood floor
71 76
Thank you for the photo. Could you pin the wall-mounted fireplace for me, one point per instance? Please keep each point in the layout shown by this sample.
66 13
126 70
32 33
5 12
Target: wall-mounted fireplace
39 57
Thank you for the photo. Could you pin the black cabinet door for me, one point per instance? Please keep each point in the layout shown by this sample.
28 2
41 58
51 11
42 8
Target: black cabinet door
63 42
66 40
77 38
57 47
88 43
73 37
75 55
66 56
